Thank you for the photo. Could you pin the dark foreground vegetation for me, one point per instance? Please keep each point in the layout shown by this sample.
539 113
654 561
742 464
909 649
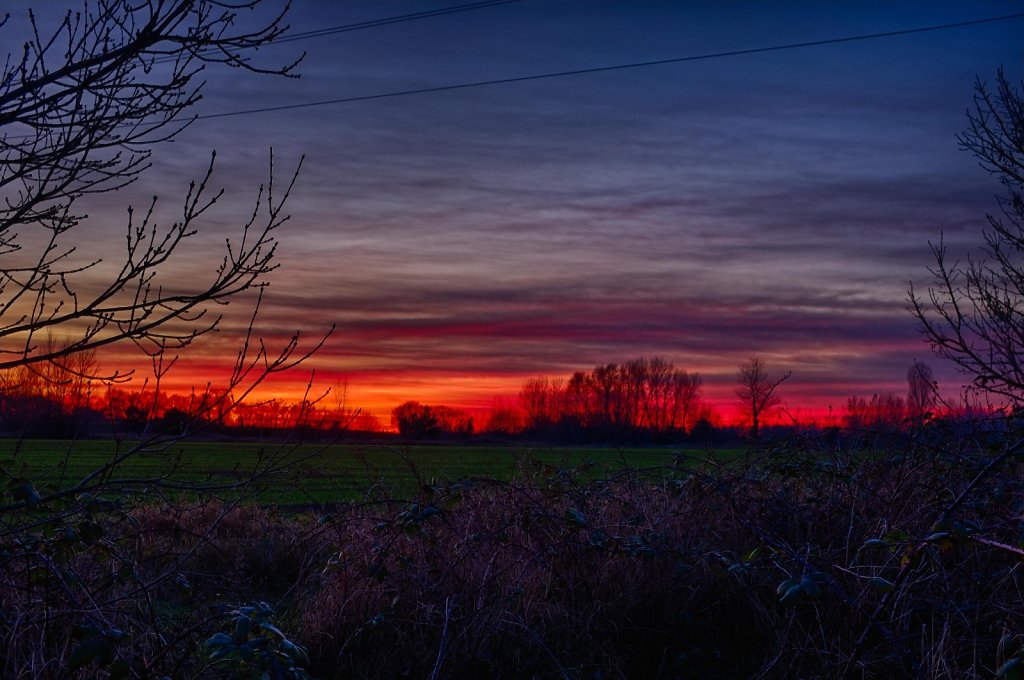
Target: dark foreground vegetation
817 557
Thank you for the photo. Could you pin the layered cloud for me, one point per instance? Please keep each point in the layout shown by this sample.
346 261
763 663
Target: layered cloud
776 204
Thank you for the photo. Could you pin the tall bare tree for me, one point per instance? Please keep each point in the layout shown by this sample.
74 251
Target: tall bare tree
973 312
756 391
686 398
922 390
83 104
81 108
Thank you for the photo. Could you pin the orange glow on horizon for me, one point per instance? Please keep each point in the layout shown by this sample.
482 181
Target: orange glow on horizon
364 386
378 392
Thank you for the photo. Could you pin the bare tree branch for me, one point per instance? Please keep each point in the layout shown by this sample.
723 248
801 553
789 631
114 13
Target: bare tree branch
756 391
973 312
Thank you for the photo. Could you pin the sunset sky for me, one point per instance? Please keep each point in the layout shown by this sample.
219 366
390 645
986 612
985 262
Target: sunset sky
775 203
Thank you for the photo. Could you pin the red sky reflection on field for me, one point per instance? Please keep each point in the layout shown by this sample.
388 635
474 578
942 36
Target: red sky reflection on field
775 204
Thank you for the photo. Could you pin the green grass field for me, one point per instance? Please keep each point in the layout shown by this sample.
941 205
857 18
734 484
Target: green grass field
312 474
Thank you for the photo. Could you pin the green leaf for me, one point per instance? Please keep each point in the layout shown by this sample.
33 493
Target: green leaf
425 513
784 587
294 651
272 629
243 624
792 595
810 586
962 531
22 490
875 543
219 640
574 515
1011 670
879 583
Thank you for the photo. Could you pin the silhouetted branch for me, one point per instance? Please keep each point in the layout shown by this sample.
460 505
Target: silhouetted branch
973 313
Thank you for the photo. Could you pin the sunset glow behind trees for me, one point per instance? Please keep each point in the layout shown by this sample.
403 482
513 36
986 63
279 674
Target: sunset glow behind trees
467 241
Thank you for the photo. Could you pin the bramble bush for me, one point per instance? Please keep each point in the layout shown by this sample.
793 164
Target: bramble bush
816 557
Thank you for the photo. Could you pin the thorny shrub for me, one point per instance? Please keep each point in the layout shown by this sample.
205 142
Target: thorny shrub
803 562
810 559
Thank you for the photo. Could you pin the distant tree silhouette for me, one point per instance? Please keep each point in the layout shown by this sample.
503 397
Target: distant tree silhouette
704 431
505 419
83 102
54 397
420 421
686 399
642 398
973 313
539 398
885 412
757 391
80 109
453 421
922 390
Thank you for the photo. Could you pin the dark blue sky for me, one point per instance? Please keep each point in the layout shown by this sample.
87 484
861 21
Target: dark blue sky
774 203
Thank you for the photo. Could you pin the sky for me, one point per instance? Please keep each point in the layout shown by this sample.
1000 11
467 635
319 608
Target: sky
775 203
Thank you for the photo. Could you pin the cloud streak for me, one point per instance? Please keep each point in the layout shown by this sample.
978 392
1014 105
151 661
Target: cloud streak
774 204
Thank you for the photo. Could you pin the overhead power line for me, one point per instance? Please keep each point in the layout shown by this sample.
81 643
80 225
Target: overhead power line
374 23
386 21
614 67
344 28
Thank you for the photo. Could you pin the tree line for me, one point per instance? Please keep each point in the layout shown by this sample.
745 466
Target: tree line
65 398
651 400
642 400
642 397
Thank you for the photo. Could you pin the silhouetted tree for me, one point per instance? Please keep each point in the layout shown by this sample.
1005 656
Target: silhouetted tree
578 400
68 383
704 431
83 102
537 397
756 391
922 390
607 396
365 422
973 313
415 420
633 377
420 421
505 419
686 399
640 398
884 412
80 109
